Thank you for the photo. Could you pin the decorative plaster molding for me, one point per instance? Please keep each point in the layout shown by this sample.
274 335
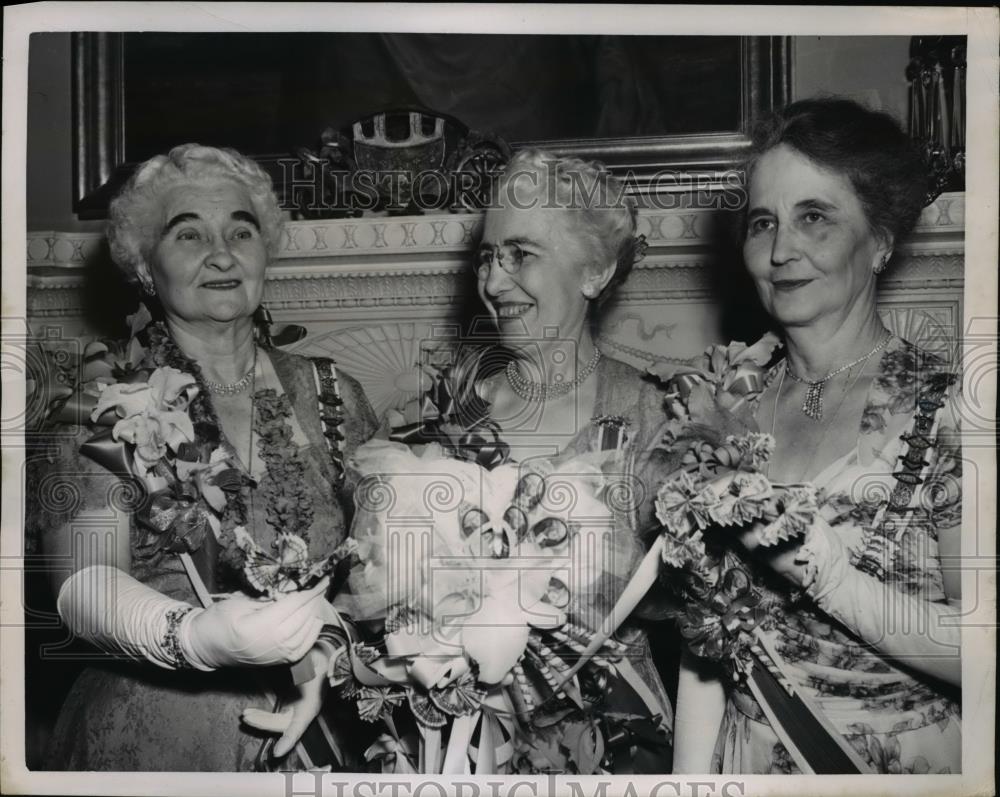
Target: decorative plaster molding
327 286
420 262
394 239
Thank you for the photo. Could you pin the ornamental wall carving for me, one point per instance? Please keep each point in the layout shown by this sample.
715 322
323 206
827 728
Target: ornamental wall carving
336 277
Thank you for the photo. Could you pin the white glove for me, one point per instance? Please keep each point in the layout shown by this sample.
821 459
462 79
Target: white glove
122 616
240 631
922 634
293 720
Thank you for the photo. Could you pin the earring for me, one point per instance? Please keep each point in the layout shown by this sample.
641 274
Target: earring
588 290
148 287
882 265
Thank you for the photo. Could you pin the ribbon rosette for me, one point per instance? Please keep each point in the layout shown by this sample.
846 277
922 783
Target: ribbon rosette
290 568
679 552
743 498
718 483
376 702
795 512
682 505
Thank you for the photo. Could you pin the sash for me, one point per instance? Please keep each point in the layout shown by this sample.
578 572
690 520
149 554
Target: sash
811 740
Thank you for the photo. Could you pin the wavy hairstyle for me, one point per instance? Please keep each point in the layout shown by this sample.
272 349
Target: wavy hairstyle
604 216
883 164
136 213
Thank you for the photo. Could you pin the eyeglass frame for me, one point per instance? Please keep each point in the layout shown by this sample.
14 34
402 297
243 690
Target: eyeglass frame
488 254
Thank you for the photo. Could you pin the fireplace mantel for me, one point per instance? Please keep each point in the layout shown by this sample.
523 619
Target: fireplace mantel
337 276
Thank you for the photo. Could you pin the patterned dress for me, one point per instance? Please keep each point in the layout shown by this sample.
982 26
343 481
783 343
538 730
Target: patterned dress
126 716
897 720
622 392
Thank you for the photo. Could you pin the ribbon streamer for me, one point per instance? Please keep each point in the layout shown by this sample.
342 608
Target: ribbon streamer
637 587
430 749
456 755
109 453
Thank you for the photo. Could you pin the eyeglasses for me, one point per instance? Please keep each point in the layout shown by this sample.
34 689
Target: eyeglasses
510 257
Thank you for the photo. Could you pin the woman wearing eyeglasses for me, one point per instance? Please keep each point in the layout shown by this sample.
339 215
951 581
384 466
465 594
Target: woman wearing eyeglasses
557 240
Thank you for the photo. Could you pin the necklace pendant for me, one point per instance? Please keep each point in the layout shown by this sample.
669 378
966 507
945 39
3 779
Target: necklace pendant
813 404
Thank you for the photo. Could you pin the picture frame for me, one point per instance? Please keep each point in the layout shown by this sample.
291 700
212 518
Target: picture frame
704 159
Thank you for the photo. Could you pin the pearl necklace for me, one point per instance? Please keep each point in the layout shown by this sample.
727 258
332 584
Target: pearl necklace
220 389
812 406
529 390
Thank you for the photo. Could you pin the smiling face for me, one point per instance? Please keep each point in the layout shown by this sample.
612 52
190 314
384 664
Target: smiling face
552 267
809 247
209 258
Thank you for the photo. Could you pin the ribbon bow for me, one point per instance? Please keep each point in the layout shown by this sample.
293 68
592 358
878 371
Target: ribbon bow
733 608
737 369
635 745
458 422
736 602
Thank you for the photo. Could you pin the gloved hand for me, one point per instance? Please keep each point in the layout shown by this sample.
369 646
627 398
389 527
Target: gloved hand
240 631
122 616
922 634
293 720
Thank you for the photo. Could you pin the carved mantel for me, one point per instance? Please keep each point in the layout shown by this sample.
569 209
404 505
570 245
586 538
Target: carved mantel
336 276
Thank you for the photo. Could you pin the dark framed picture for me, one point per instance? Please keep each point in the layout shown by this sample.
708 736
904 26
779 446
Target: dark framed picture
639 103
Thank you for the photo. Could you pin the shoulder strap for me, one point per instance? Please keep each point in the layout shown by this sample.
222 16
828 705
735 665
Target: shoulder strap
331 411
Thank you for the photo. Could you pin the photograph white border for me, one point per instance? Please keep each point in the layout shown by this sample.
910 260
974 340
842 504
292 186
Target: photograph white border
981 310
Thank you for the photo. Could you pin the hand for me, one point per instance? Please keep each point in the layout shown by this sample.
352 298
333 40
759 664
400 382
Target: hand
781 557
292 722
241 631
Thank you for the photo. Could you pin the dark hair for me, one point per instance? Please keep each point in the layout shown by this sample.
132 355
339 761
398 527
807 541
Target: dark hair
883 164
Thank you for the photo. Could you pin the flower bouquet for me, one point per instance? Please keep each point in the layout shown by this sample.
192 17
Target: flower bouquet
720 488
485 587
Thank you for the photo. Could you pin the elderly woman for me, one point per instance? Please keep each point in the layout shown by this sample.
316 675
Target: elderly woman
196 228
861 612
557 241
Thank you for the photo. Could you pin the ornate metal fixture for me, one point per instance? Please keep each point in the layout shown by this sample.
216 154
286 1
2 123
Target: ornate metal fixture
401 161
937 108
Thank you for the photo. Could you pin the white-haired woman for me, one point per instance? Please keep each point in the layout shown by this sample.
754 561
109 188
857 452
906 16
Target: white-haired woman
196 228
557 240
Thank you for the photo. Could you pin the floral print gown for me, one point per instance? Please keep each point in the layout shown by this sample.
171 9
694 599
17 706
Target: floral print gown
897 721
127 716
623 393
